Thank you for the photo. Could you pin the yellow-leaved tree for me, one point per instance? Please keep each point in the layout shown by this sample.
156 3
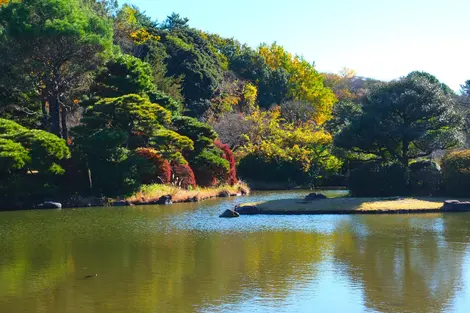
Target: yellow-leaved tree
305 83
304 149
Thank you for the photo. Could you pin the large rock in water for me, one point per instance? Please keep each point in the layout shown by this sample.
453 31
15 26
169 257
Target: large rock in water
455 206
168 199
315 196
229 214
247 210
224 194
49 205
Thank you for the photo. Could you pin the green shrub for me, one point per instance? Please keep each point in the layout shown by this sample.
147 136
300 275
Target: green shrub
425 178
456 173
379 180
255 168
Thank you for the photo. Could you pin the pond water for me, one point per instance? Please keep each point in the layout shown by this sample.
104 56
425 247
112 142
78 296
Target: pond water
183 258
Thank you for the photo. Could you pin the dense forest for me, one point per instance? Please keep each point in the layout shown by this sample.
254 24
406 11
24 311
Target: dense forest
99 100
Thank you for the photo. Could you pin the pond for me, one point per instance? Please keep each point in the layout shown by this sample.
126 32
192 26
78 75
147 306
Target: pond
183 258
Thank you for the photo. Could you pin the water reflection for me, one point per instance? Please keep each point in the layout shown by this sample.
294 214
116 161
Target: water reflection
185 259
403 263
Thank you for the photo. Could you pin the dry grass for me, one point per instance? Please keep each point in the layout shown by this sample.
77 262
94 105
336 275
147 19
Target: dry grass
149 193
348 205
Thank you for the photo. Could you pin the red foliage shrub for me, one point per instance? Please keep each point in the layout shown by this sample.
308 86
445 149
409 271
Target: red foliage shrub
228 155
162 170
205 177
184 175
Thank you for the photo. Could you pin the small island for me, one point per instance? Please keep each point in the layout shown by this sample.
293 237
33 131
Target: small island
353 206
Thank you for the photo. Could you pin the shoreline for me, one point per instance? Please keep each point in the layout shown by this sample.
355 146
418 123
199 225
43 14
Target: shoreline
148 195
344 206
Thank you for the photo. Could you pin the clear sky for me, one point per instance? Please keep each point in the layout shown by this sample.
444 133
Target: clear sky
383 39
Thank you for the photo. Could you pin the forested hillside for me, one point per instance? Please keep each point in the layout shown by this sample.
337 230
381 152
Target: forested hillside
97 100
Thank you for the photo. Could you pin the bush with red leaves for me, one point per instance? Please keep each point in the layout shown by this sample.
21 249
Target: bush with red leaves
161 173
183 176
228 155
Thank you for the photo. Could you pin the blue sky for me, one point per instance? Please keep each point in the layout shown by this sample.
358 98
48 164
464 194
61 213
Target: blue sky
383 39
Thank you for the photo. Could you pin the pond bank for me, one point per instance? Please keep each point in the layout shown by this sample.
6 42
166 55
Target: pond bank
352 206
168 194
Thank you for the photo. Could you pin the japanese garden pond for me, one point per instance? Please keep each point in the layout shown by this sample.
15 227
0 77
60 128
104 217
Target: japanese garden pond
184 258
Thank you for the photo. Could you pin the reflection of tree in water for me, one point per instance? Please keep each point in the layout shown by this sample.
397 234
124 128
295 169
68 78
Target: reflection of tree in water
140 270
404 263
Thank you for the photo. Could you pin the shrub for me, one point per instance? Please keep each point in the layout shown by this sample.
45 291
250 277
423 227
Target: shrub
256 168
425 178
210 168
231 177
456 173
379 180
183 176
160 170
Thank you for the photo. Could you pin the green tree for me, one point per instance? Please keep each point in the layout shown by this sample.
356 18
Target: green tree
125 75
206 160
175 21
29 160
57 43
111 130
189 55
404 120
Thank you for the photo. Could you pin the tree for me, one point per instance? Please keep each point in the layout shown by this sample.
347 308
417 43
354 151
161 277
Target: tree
125 74
280 152
29 161
112 129
304 82
404 120
175 21
134 32
464 104
189 55
206 159
57 42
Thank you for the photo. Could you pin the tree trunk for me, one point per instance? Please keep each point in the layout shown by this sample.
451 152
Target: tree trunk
405 158
90 179
54 110
45 115
63 113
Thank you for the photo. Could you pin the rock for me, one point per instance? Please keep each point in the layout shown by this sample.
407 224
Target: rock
193 199
224 194
247 210
455 205
168 199
315 196
243 192
121 203
229 214
49 205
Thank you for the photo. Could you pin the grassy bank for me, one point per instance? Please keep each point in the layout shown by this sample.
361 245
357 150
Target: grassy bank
151 193
348 206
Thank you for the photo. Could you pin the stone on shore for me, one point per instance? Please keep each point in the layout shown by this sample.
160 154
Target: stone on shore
168 199
315 196
455 205
229 214
49 205
224 194
247 210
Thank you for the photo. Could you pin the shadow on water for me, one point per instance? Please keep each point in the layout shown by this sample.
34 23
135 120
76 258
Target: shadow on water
183 258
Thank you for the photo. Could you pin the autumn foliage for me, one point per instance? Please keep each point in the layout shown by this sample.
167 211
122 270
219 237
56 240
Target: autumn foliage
228 155
161 172
184 176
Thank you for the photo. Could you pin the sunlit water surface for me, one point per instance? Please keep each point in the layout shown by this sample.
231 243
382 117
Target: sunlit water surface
183 258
